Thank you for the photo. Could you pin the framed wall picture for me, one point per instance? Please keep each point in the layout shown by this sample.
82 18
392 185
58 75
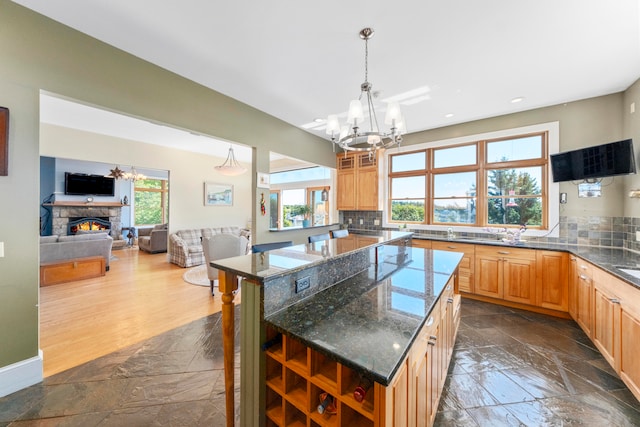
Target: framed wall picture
263 180
218 194
4 141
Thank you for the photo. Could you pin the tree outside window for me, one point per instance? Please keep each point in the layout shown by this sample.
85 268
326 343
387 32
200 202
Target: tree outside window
151 202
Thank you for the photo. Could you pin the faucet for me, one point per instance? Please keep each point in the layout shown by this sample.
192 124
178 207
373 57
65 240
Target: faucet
450 235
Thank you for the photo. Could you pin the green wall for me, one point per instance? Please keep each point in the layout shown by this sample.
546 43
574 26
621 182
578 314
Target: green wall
41 54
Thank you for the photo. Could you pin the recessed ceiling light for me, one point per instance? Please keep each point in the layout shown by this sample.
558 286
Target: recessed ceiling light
318 120
517 99
449 115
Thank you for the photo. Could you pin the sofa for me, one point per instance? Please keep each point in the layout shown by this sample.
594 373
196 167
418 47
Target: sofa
185 246
61 248
153 240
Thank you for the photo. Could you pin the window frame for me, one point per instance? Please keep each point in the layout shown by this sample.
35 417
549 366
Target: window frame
164 199
549 191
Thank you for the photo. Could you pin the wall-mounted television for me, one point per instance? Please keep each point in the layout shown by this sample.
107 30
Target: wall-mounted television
80 184
614 158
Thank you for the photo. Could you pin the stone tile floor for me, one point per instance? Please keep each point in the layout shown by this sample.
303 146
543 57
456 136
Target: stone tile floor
509 368
174 379
515 368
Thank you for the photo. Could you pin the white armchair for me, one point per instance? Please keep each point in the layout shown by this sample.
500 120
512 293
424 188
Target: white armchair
220 246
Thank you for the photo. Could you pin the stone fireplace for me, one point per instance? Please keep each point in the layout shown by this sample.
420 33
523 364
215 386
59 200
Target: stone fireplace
66 216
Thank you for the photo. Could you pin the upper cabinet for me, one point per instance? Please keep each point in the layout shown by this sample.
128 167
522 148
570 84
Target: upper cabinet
358 186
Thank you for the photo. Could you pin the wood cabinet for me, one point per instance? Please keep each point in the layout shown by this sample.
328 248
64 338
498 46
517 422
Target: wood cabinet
421 243
466 268
357 181
55 272
551 282
506 273
616 326
584 295
573 286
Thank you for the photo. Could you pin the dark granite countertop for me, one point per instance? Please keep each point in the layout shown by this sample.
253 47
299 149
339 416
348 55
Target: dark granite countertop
612 260
275 263
370 321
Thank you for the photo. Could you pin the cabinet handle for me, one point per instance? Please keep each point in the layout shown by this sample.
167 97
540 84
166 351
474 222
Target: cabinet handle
614 300
503 252
583 277
433 338
451 247
583 267
431 342
448 288
450 300
430 321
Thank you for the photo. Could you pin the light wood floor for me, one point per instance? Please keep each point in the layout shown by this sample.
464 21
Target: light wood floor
140 297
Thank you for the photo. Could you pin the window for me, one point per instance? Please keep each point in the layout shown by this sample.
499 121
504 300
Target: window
300 198
151 202
492 182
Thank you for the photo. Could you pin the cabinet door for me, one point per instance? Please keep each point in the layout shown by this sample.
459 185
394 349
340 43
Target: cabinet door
584 303
488 276
551 287
519 276
629 350
346 188
367 190
466 267
572 294
401 397
605 310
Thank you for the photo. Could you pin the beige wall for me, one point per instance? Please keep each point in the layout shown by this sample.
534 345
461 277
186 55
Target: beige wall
632 130
582 123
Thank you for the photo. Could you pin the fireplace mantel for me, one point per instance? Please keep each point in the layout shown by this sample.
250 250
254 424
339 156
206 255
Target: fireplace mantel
86 204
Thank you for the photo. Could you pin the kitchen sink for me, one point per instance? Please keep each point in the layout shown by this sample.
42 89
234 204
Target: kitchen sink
631 271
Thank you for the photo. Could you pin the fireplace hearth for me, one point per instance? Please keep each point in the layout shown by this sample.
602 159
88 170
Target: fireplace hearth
88 224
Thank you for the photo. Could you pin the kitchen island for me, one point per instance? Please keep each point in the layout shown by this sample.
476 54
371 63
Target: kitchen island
367 308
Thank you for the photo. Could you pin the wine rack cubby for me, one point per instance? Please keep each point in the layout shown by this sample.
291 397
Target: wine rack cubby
296 376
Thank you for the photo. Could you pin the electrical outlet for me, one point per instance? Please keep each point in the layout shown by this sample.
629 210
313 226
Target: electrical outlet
303 283
376 222
1 249
361 221
350 220
637 236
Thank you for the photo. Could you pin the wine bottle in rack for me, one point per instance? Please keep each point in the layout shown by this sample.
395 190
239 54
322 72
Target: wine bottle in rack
327 404
364 384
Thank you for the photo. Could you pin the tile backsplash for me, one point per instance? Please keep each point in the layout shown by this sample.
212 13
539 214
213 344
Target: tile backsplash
574 230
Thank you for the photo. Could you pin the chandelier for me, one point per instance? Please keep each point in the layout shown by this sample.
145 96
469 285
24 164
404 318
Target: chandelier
350 137
118 173
231 167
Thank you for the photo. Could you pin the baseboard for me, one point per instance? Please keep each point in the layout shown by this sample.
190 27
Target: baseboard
21 375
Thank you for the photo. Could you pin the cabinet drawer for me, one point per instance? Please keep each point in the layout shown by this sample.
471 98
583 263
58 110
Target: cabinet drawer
506 252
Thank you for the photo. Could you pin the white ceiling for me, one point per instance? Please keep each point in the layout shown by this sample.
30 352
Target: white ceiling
300 61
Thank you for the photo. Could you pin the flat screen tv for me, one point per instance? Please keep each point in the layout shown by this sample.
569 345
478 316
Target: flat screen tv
82 184
614 158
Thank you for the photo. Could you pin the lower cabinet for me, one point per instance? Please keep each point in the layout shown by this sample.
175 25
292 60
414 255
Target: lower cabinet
466 268
506 273
584 296
551 282
297 378
614 323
